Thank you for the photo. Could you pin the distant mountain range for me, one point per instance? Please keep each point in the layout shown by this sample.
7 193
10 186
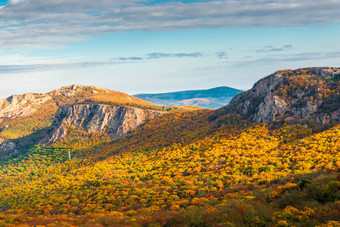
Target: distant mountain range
211 98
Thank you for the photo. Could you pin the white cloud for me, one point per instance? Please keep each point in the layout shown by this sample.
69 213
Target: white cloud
24 68
22 59
300 57
51 24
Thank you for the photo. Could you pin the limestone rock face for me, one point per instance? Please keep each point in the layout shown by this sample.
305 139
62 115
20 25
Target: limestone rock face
22 105
296 95
71 103
271 108
7 147
116 121
17 106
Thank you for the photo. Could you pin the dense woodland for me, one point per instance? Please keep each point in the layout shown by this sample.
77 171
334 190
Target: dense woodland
251 173
185 168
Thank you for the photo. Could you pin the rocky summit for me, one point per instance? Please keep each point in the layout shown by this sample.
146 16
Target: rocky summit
302 95
22 105
48 116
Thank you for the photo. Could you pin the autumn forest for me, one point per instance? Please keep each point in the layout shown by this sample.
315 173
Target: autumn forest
269 158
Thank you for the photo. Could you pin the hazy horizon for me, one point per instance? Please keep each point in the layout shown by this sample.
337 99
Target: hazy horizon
175 91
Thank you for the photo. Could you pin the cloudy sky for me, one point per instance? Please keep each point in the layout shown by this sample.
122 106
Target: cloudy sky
138 46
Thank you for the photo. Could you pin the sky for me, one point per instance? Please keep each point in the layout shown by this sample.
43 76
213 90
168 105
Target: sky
149 46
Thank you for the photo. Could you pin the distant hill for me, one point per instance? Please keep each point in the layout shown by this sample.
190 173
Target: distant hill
211 98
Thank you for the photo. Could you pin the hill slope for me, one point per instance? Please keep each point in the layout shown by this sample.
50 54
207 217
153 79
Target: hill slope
211 98
18 108
26 119
188 168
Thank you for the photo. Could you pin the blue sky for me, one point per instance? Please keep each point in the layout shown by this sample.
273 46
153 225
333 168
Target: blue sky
138 46
3 2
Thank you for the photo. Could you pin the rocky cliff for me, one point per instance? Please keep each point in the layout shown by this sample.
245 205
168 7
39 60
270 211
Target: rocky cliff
17 106
23 115
308 94
22 105
116 121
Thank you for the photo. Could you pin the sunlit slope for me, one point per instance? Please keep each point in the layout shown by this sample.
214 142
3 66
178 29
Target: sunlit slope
25 120
39 115
174 178
37 112
191 168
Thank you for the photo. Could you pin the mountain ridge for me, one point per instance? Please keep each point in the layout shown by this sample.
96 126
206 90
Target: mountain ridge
23 115
26 102
209 98
50 116
185 168
292 96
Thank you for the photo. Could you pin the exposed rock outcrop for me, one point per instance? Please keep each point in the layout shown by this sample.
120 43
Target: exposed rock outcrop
17 106
32 110
22 105
116 121
291 95
75 89
6 148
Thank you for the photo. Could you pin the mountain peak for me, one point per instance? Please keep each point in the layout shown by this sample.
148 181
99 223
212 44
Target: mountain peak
74 89
30 103
293 96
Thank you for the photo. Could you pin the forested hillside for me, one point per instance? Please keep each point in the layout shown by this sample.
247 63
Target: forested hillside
30 119
192 168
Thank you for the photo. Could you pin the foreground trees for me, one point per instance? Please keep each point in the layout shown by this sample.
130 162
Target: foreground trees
248 177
